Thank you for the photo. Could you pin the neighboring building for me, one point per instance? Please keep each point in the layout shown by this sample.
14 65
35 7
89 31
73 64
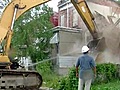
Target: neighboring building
68 38
67 43
68 16
71 36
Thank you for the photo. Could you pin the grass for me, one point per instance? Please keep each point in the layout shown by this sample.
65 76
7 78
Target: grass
113 85
50 80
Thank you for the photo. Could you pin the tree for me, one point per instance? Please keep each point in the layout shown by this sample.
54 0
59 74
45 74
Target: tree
32 33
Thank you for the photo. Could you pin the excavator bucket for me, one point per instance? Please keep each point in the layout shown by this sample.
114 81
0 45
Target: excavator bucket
97 44
93 44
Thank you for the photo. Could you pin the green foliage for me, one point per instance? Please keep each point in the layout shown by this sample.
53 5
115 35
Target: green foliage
72 80
33 30
69 82
112 85
117 1
49 76
105 73
45 67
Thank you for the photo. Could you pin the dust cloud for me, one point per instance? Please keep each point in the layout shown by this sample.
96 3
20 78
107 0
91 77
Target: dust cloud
111 33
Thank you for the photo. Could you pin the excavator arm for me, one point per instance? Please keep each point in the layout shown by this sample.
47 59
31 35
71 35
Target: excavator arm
86 15
12 12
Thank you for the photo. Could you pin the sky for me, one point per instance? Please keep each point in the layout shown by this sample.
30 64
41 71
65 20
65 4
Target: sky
53 4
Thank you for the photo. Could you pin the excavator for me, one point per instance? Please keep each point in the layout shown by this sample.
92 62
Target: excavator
9 78
21 79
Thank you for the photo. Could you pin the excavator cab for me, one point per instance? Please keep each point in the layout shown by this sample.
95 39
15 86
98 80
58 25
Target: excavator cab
4 59
12 78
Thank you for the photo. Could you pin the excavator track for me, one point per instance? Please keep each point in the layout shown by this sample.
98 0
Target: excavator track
20 80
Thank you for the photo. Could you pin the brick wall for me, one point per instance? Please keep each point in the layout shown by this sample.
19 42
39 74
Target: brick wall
70 22
63 12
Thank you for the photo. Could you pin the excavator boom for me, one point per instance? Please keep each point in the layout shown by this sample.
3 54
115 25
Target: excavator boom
86 15
11 13
19 7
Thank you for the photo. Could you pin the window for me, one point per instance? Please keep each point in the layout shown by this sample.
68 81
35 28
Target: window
75 18
54 39
62 20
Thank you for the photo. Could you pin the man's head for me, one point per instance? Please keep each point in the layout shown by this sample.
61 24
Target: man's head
85 49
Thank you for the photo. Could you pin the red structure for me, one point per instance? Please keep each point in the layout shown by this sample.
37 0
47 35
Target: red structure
54 19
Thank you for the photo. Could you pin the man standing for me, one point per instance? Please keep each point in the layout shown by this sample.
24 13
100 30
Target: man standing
87 69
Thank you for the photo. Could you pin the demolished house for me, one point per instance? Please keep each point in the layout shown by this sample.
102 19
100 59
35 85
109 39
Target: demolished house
106 14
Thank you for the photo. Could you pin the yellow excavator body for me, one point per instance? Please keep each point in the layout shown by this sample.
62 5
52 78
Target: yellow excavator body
9 78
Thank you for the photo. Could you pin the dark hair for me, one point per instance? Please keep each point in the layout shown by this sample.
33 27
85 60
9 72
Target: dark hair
85 52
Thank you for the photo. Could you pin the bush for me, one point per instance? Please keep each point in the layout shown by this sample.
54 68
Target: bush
69 82
50 78
45 67
105 73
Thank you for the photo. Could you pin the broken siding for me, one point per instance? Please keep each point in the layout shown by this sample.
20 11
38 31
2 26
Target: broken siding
110 13
103 10
105 2
67 61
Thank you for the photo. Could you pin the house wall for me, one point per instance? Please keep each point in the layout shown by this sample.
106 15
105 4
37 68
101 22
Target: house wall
67 49
105 8
67 10
70 42
65 62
